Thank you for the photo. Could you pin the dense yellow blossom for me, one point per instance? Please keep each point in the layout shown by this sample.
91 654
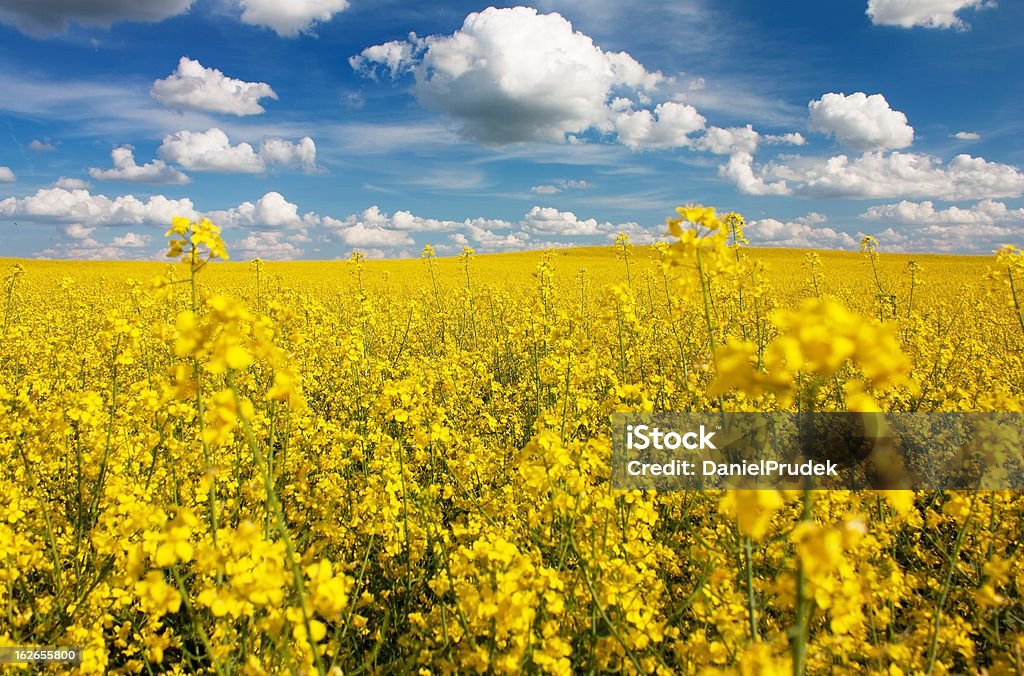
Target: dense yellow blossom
405 466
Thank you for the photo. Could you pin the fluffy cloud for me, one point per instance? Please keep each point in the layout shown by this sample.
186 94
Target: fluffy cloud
511 75
550 221
669 126
740 144
76 231
374 227
485 240
897 174
72 183
273 227
274 223
271 211
986 212
397 56
193 86
6 175
804 232
958 238
87 249
42 146
40 19
131 240
81 245
725 141
58 205
740 170
290 18
793 138
277 151
125 169
927 13
860 121
211 150
967 135
362 234
488 240
265 245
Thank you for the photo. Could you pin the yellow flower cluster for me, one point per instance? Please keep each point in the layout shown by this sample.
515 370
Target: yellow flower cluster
404 466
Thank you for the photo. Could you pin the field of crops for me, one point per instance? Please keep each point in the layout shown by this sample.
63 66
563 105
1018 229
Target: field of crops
364 466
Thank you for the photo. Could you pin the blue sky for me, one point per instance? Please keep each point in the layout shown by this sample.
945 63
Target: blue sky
313 127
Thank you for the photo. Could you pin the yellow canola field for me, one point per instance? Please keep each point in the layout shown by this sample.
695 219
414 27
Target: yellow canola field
395 466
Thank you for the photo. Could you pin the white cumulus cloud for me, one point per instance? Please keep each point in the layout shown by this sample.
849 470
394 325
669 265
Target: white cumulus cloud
362 234
793 138
804 232
265 245
860 121
511 75
272 211
967 135
72 183
725 141
42 146
397 56
985 212
125 169
740 170
288 18
551 221
374 227
211 150
740 144
669 126
6 175
131 240
955 238
76 231
926 13
540 227
278 151
87 249
896 174
196 87
58 205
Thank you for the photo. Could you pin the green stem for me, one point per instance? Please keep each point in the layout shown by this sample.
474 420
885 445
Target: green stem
951 564
751 613
798 633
